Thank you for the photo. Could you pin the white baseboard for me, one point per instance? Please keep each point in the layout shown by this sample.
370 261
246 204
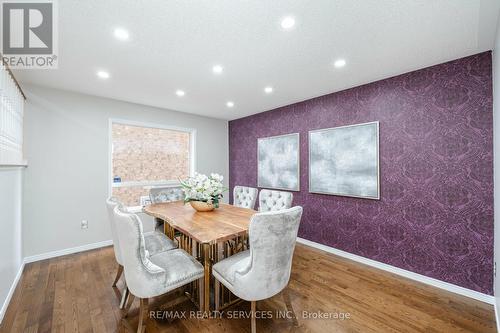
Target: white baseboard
63 252
5 304
402 272
497 319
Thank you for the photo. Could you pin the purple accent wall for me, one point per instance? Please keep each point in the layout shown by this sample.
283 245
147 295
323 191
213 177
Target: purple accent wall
435 216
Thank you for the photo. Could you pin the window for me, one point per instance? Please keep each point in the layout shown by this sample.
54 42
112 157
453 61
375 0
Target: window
11 119
143 156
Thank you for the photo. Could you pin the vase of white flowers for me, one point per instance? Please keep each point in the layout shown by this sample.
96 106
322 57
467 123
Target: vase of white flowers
203 192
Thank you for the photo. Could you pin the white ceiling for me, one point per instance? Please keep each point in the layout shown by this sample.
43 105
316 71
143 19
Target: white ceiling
174 44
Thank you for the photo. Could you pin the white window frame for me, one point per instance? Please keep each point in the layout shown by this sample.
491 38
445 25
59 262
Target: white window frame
147 184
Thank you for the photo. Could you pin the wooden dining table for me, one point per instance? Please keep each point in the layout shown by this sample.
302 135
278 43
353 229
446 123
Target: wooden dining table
208 236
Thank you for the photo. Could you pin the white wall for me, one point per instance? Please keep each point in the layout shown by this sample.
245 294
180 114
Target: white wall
10 231
66 145
496 161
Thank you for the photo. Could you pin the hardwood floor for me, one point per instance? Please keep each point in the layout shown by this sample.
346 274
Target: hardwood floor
73 294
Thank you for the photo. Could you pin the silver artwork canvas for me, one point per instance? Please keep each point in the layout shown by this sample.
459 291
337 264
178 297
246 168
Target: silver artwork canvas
278 162
345 161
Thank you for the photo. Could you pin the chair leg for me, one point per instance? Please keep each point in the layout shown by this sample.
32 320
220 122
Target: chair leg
131 299
125 295
125 312
201 292
289 307
254 324
118 275
143 315
217 294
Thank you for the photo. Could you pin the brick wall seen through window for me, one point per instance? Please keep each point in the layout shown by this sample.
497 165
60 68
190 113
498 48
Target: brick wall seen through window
147 156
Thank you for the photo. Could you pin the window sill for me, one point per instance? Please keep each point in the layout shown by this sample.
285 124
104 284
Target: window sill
147 184
23 164
135 209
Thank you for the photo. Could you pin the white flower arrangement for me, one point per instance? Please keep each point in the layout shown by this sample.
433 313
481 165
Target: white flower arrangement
204 188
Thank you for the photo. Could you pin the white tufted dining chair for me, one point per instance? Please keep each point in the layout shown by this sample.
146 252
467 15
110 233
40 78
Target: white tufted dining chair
244 196
164 194
270 200
150 275
155 242
264 270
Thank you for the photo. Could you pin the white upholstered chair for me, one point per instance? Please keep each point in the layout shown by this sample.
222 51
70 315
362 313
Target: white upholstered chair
270 200
264 270
150 275
155 242
164 194
244 196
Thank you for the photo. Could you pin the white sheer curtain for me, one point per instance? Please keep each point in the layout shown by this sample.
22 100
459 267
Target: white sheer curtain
11 120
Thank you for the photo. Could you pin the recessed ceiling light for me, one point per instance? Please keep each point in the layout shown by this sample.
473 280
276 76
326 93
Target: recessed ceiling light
229 104
121 34
268 90
217 69
287 23
180 93
339 63
103 74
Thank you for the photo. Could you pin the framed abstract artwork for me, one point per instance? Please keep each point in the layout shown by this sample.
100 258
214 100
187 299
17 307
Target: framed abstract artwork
345 161
278 162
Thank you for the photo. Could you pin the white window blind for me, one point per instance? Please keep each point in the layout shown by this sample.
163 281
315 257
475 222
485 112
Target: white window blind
11 119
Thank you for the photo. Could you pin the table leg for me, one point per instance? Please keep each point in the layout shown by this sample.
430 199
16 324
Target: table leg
218 256
206 287
201 294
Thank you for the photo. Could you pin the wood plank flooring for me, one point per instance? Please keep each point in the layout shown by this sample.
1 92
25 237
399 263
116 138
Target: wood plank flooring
73 294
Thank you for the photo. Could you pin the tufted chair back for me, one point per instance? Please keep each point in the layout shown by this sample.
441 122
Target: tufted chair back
266 270
166 194
111 203
244 196
270 200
